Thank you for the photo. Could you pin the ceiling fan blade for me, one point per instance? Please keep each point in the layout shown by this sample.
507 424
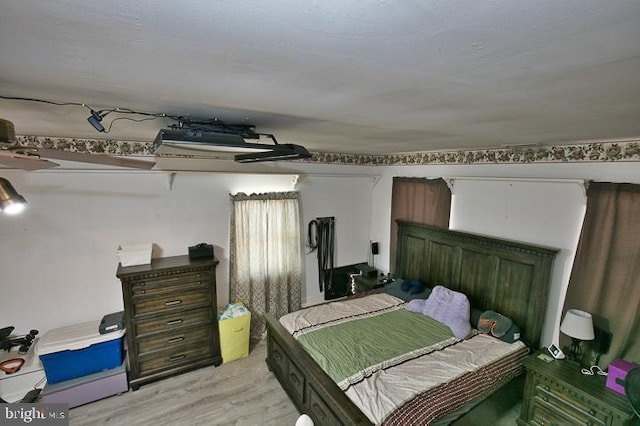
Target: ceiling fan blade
85 157
25 162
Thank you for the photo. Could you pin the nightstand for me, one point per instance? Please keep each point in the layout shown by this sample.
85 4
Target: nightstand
362 283
557 393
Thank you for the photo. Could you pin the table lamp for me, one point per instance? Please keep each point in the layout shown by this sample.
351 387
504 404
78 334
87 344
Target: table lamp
578 325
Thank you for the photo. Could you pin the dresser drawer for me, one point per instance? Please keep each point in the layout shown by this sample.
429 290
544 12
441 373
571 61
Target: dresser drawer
151 363
280 360
175 339
545 415
296 379
170 303
283 367
174 321
151 286
319 411
558 399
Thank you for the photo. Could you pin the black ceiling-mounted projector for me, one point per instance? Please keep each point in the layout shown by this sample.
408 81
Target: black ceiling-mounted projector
225 142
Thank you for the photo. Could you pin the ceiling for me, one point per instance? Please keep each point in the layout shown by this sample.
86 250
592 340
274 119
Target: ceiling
356 76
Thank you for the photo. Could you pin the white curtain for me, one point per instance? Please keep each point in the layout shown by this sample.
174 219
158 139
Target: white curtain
265 255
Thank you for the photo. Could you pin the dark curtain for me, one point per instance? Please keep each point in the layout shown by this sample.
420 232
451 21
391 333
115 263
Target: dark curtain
419 200
605 279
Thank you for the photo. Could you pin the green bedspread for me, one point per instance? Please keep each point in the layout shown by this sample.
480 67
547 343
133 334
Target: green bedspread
350 351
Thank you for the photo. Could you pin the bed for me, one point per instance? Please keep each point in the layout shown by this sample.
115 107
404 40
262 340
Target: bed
508 277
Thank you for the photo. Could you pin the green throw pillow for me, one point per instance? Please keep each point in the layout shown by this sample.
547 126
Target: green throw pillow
499 326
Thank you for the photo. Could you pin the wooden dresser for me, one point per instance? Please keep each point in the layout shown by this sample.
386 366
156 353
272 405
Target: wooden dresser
171 319
557 393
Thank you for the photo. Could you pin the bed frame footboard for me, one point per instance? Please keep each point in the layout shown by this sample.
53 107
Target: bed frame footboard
311 390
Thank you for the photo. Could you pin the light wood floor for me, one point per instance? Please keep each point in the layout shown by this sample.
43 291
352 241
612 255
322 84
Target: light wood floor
242 393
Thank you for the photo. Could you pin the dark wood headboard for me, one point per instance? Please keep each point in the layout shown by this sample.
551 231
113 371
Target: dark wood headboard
508 277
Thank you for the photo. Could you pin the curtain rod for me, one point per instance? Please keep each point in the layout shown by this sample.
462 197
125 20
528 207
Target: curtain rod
511 179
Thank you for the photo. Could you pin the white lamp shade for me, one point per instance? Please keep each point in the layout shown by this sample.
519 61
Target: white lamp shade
578 324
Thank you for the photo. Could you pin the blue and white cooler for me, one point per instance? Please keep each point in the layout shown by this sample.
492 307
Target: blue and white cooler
79 350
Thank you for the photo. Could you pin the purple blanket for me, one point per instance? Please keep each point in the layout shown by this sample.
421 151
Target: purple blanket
450 307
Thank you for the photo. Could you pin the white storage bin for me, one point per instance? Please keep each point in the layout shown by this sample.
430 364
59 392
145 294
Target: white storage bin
79 350
135 254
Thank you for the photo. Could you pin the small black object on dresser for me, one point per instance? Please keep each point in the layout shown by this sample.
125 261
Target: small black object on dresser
557 393
170 316
201 251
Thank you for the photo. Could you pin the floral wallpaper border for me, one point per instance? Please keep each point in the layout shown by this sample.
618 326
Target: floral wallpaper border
578 153
570 153
93 146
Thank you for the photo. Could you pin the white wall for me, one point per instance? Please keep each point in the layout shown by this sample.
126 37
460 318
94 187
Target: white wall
58 259
552 216
349 201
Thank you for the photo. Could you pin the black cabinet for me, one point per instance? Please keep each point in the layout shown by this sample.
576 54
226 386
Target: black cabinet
343 280
362 283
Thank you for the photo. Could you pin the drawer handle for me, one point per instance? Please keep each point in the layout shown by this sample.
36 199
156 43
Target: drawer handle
173 302
318 409
547 388
175 321
143 291
176 339
277 355
592 412
177 358
545 399
294 379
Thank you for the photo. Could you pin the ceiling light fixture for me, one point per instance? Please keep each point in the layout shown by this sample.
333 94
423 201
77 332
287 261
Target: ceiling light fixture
226 141
287 151
10 201
95 119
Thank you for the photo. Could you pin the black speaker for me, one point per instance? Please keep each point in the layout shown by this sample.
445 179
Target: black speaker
374 248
